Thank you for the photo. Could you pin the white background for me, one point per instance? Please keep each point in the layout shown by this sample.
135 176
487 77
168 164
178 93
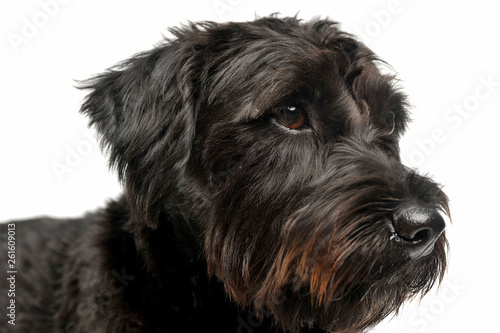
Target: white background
443 51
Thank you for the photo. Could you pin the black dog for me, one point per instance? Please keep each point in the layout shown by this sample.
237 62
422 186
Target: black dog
264 192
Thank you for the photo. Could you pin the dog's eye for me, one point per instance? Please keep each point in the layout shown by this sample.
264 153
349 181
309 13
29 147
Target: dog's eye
292 117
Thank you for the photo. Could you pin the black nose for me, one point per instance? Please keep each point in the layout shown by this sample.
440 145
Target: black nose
418 228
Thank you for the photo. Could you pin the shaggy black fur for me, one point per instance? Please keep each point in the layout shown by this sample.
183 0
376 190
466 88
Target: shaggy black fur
263 193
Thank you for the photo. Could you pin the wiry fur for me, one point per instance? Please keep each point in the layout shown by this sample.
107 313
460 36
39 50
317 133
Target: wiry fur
228 218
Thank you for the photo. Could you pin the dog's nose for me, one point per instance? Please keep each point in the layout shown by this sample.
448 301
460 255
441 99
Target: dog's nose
418 228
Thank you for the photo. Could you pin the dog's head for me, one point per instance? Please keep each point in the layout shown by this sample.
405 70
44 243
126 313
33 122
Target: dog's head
281 139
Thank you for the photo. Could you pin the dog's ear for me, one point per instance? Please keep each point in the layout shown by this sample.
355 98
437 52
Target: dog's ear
144 111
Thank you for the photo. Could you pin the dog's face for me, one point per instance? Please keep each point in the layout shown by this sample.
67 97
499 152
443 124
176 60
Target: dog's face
280 138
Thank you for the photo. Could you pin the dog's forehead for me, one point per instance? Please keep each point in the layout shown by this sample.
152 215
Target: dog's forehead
251 69
268 72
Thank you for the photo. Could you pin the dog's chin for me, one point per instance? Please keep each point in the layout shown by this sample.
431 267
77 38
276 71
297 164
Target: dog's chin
358 306
362 308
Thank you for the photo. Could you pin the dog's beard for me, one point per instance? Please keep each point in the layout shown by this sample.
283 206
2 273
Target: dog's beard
326 259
